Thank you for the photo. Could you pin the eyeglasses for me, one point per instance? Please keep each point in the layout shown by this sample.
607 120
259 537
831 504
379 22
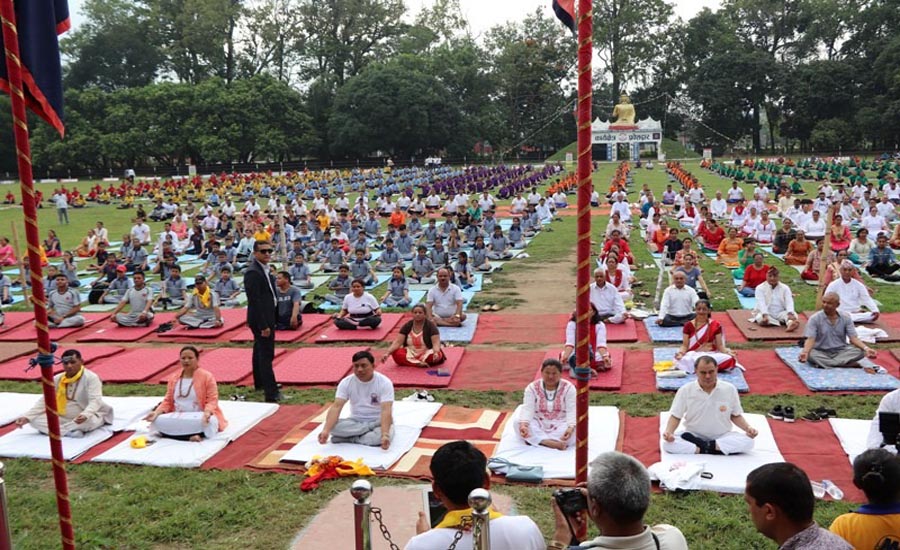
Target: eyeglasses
265 250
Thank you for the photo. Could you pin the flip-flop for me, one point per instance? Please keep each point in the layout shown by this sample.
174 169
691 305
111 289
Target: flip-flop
486 307
495 307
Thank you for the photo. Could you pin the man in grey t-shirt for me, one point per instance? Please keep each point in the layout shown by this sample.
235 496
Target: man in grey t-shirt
287 303
64 305
139 300
827 335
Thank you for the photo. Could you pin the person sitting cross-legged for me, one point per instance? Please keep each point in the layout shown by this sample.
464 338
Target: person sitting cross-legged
139 299
444 301
371 398
201 310
358 309
707 408
775 303
677 305
64 305
419 342
79 400
606 298
704 336
547 417
831 339
882 263
854 296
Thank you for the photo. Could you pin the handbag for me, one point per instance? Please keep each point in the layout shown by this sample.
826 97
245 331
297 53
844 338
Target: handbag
517 472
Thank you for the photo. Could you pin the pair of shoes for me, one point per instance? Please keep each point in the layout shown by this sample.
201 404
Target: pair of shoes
875 369
238 397
785 413
815 415
279 397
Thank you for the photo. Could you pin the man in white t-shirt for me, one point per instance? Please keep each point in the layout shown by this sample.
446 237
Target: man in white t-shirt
518 204
371 397
444 302
617 497
140 232
458 468
718 207
708 407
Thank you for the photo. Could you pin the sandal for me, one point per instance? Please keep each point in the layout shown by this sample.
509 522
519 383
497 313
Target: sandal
814 416
486 307
495 307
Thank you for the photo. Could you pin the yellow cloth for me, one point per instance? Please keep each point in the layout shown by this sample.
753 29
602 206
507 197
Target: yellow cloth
344 468
205 298
61 399
454 518
662 366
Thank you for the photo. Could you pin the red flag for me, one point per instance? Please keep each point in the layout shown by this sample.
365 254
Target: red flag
565 11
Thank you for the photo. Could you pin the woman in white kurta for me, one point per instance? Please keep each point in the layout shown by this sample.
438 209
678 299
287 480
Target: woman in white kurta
547 416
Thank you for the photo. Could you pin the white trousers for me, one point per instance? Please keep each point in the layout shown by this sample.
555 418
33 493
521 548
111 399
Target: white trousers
862 317
775 319
541 431
729 443
180 424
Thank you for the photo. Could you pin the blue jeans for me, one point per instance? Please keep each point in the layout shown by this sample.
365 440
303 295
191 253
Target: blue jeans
747 292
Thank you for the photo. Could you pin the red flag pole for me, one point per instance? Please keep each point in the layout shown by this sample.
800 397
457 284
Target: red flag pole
45 357
582 300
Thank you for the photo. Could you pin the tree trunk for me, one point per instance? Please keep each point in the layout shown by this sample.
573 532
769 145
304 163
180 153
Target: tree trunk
757 147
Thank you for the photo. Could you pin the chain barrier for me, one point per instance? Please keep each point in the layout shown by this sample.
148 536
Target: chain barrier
463 527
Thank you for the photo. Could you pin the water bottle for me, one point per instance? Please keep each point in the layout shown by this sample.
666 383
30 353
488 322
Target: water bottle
833 490
818 489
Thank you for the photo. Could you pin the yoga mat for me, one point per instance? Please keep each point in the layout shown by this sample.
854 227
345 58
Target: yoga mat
30 443
26 332
316 365
14 319
15 404
852 434
734 377
233 319
463 333
658 334
746 303
603 433
15 368
409 420
467 296
888 322
753 331
11 350
512 328
729 472
108 331
851 379
415 377
189 454
609 380
94 308
227 365
625 332
334 334
135 365
501 370
311 322
415 296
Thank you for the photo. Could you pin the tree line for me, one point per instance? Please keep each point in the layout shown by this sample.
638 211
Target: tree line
158 82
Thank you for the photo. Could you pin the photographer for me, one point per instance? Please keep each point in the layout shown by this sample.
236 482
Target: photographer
890 403
616 498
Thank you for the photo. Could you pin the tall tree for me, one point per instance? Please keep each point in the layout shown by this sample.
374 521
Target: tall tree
272 39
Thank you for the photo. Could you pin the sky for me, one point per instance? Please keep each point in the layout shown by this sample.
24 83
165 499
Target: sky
484 14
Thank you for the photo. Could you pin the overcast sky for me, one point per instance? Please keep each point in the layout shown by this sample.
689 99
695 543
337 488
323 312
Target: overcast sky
484 14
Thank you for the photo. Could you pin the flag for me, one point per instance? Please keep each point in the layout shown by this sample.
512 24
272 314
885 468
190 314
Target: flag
565 11
39 24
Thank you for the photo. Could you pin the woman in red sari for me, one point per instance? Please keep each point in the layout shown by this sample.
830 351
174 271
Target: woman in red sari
704 336
418 344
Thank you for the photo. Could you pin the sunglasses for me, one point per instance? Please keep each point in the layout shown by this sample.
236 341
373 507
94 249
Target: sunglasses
265 250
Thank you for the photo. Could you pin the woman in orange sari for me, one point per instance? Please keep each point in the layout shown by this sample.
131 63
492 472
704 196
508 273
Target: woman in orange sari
729 249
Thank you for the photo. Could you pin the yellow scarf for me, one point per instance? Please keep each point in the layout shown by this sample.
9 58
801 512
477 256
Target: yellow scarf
454 518
205 298
61 398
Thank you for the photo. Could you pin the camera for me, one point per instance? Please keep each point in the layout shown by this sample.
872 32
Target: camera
570 501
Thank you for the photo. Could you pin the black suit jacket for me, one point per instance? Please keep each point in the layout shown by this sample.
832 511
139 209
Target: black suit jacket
260 300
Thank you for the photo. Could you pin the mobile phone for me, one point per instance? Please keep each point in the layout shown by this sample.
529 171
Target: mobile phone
434 510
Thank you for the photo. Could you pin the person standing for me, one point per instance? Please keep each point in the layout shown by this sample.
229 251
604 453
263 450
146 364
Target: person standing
62 207
259 285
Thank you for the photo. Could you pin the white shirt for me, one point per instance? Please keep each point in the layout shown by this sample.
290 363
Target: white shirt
363 305
251 207
873 224
623 209
774 301
669 537
765 232
718 208
342 203
735 193
706 414
518 205
229 209
443 302
813 228
60 200
678 301
534 198
366 397
141 233
696 194
607 300
890 403
853 296
507 533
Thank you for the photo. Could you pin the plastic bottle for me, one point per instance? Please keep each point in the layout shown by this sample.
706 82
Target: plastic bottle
818 489
833 490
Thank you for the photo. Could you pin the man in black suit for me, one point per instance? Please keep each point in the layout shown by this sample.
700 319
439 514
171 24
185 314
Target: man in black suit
260 287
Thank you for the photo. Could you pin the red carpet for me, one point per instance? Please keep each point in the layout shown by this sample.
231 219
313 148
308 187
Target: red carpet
26 332
496 370
311 322
508 328
732 332
637 374
14 319
315 365
413 377
626 332
767 374
15 369
333 334
642 439
233 318
609 380
12 350
227 365
242 451
753 331
135 365
814 448
108 331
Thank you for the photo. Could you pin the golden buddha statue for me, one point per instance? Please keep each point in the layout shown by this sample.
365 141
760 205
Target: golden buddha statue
623 112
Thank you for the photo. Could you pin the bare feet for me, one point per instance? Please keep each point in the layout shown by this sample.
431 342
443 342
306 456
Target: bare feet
792 325
196 438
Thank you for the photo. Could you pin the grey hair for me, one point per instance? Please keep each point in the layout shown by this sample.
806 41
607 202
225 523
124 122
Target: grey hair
620 485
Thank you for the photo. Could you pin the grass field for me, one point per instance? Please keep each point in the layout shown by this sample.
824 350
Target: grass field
127 507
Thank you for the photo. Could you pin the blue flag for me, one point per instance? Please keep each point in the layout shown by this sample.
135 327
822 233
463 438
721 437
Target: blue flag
39 24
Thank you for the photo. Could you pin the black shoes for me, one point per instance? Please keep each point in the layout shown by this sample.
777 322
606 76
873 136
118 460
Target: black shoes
785 413
279 397
822 413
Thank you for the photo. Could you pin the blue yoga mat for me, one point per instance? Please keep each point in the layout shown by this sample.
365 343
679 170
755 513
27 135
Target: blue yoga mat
467 297
464 333
746 303
670 335
415 297
835 379
735 377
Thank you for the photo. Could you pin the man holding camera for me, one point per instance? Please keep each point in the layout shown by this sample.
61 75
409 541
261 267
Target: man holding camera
458 468
890 403
616 498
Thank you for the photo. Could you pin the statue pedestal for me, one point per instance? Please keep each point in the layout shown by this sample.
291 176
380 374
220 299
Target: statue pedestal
623 127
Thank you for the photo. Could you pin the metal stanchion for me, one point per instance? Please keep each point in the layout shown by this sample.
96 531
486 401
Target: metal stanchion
5 531
480 502
361 491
